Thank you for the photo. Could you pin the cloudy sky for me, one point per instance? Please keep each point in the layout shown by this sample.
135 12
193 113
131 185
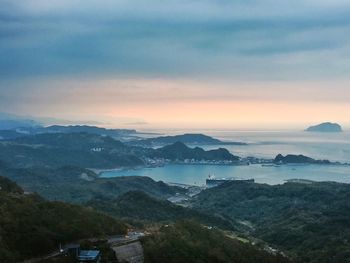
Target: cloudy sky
177 63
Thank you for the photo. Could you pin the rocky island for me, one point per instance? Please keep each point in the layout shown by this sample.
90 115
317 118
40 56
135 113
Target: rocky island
325 127
300 159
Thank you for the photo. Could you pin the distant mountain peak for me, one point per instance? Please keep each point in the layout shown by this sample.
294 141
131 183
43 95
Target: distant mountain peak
187 138
181 151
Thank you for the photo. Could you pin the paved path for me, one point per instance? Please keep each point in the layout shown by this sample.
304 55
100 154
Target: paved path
116 240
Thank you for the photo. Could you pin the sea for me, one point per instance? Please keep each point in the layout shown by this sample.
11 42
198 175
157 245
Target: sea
262 144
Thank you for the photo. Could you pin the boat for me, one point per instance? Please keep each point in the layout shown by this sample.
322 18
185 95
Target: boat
211 181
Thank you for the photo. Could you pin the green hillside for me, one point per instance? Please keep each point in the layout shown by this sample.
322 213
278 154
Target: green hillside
94 151
138 206
179 151
31 226
78 185
190 242
310 221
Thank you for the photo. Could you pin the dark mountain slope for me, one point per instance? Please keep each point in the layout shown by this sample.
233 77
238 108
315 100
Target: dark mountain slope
78 185
311 221
139 206
179 151
188 138
292 158
189 242
31 226
78 149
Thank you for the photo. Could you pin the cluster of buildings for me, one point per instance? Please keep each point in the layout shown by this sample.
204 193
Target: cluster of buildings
217 162
157 162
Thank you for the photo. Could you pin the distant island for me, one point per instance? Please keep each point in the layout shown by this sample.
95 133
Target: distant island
300 159
325 127
187 138
178 151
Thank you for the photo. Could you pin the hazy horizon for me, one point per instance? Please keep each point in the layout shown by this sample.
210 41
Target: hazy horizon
182 64
149 127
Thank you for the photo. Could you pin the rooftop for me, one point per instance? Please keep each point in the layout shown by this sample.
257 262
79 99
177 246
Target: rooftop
88 254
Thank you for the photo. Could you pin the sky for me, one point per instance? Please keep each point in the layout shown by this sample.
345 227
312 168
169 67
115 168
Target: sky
218 64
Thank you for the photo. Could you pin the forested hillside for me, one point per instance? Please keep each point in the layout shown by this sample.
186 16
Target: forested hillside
31 226
140 207
310 221
189 242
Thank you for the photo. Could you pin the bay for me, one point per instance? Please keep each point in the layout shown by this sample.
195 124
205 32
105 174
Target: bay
197 174
262 144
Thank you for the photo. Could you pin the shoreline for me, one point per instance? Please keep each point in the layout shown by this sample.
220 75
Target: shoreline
262 164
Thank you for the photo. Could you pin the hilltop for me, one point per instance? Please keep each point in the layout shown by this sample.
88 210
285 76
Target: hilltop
14 128
179 151
188 138
294 159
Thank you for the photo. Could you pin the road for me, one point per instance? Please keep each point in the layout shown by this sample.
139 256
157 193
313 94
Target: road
115 240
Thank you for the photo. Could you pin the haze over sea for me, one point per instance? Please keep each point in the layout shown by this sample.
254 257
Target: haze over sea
263 144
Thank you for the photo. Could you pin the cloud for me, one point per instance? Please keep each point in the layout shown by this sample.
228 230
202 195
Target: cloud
83 59
228 39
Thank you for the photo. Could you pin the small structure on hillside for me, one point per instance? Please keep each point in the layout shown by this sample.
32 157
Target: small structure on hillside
131 253
82 256
89 256
72 249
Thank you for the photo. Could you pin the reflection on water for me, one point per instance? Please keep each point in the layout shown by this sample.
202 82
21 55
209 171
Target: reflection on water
196 174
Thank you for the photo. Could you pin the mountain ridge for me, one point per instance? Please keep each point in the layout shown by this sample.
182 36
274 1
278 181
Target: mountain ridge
187 138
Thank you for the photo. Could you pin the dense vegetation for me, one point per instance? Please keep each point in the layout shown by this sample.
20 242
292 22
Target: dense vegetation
138 206
8 186
31 226
78 185
189 242
78 149
311 221
179 151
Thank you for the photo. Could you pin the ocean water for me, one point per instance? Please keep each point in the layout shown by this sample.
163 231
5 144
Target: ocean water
331 146
197 174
